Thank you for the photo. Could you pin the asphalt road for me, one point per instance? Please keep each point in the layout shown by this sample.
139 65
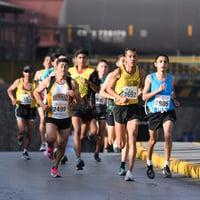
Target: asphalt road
31 180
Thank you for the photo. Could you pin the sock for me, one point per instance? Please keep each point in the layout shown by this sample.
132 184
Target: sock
123 165
25 150
149 162
166 163
79 159
55 149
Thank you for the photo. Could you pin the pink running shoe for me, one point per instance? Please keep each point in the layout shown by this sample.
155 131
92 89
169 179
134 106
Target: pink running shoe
50 154
55 173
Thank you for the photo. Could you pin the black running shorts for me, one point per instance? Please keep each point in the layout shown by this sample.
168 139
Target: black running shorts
60 123
156 120
100 112
110 118
123 114
84 111
25 113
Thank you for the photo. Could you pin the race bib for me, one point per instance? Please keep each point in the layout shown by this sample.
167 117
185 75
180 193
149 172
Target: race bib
25 99
59 108
162 101
99 100
130 92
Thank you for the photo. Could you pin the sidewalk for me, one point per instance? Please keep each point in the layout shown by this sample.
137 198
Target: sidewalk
185 158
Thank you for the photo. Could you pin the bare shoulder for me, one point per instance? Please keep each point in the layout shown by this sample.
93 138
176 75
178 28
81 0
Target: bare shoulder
115 73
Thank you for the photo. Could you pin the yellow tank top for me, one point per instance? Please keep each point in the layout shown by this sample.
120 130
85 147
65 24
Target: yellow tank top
127 85
58 98
77 75
25 97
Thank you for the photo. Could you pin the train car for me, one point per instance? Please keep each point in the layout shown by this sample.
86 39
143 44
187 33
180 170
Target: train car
151 26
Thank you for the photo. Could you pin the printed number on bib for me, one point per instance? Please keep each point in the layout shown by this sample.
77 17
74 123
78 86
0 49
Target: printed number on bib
130 92
59 107
162 101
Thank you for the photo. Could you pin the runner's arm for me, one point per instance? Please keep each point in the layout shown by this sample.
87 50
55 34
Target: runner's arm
37 93
175 102
10 91
103 91
147 85
75 92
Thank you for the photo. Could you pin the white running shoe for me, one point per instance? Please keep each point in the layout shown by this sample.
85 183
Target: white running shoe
129 176
43 147
116 149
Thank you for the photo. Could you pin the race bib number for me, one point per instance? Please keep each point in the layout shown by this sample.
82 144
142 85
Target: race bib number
99 100
25 99
59 108
130 92
162 101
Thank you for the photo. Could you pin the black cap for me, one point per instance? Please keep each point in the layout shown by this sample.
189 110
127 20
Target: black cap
28 69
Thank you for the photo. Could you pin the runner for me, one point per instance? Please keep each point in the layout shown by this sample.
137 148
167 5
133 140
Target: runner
110 119
25 111
124 85
160 100
46 74
60 90
87 79
100 109
39 77
50 71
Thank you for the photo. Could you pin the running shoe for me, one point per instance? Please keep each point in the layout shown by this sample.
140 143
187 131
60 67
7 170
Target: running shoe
55 173
26 156
150 172
50 153
122 172
116 149
129 176
167 172
63 160
43 147
96 157
80 165
20 140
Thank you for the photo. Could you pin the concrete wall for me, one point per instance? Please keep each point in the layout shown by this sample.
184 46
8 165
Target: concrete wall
187 124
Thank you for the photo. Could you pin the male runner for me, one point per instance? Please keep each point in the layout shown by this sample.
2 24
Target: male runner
60 90
124 85
88 82
160 100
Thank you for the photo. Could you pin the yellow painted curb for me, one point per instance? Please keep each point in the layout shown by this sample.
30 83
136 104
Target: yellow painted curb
184 168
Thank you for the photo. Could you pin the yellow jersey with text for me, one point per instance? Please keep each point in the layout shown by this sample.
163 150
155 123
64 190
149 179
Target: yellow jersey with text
25 97
127 85
77 75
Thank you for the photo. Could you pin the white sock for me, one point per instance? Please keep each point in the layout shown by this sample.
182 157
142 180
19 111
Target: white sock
166 163
55 149
25 150
149 162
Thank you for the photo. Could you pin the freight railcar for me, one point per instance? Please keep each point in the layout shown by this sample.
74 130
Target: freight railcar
151 26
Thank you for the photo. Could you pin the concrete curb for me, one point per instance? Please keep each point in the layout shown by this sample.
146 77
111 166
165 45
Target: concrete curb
182 167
